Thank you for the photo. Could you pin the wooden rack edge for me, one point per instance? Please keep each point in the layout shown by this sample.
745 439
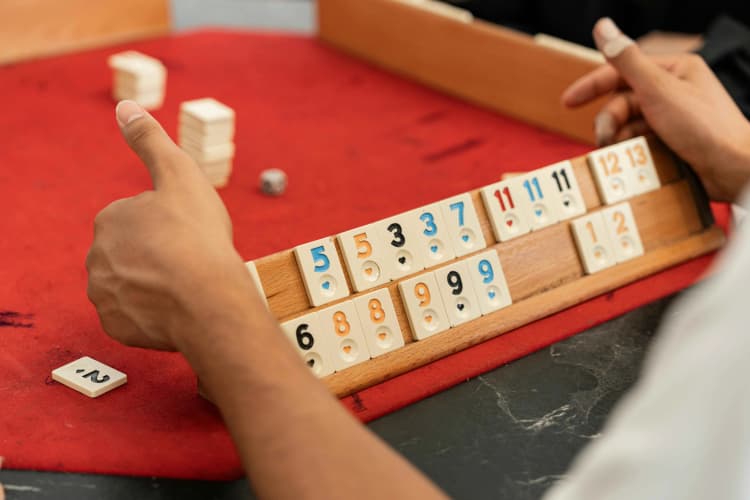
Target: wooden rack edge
486 64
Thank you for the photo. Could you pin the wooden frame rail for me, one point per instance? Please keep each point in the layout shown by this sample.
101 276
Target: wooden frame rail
33 28
486 64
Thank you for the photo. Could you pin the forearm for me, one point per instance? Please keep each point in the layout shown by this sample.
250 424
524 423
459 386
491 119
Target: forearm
295 439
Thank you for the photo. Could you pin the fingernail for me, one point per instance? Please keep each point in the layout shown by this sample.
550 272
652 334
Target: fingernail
604 128
609 39
128 112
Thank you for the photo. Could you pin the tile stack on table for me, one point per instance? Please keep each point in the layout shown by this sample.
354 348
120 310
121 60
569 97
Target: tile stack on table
139 78
206 133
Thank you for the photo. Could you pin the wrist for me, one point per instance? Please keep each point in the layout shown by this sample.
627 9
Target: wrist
220 298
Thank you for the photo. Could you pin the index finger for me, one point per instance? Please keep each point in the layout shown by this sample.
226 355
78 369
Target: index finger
606 79
599 82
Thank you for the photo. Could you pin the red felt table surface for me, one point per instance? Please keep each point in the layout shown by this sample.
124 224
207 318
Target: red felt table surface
358 145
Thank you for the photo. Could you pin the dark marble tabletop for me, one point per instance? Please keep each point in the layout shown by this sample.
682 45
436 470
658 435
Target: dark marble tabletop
508 434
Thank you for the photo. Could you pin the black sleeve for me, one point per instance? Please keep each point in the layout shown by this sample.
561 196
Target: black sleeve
727 51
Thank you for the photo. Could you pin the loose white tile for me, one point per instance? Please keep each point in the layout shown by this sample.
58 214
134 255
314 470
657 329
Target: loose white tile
463 226
366 257
400 234
501 201
594 246
89 377
457 291
341 324
306 334
488 278
424 306
321 271
623 232
379 322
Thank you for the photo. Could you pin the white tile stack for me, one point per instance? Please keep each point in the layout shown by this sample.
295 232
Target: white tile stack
206 133
139 78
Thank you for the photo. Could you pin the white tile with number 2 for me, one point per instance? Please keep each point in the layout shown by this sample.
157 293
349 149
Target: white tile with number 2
623 232
89 376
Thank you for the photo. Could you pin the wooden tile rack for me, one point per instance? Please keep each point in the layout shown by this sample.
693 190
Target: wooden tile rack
543 271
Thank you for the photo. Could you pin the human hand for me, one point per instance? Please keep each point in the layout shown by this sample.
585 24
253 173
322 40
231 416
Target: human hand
679 98
162 262
666 42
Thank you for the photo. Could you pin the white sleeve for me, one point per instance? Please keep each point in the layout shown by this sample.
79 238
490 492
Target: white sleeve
683 432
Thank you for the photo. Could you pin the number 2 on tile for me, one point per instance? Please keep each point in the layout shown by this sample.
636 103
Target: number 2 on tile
619 219
320 259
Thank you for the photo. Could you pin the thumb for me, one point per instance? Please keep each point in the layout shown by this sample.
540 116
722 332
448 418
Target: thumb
149 141
640 72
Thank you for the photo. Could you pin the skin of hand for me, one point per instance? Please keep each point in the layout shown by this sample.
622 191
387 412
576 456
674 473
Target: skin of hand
665 42
164 274
679 98
143 245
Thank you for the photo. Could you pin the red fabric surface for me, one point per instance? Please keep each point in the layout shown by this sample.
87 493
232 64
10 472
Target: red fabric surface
358 145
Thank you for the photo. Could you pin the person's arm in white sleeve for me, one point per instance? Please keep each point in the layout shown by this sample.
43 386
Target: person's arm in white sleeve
683 432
